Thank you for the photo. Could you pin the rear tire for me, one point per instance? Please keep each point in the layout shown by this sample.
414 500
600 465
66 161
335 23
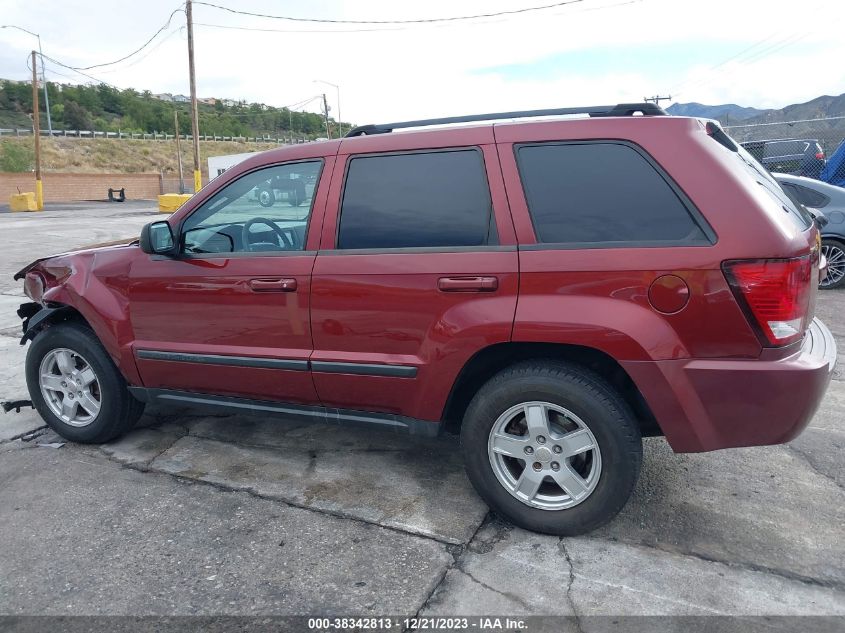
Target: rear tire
591 444
834 251
76 387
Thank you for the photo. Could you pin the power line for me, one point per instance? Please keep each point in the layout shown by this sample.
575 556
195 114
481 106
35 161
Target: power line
417 21
376 29
780 42
138 50
738 62
301 104
91 77
149 52
250 28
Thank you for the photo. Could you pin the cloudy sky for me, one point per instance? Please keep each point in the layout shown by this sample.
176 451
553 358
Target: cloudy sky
756 53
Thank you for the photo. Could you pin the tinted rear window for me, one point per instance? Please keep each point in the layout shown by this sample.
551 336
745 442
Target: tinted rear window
785 148
753 168
423 199
602 193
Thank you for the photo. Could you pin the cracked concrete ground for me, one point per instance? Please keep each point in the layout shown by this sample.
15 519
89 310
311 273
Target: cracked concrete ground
200 514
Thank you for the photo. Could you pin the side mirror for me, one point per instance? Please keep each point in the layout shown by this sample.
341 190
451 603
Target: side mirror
821 220
157 239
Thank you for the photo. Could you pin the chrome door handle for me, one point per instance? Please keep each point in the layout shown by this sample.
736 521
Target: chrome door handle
468 284
272 285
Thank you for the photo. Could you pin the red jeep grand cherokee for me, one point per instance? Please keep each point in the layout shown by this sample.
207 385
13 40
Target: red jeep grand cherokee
558 288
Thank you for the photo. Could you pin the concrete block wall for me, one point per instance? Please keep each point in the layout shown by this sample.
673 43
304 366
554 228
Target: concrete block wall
64 187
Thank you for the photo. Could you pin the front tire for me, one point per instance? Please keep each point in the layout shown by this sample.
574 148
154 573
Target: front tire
552 447
266 197
76 387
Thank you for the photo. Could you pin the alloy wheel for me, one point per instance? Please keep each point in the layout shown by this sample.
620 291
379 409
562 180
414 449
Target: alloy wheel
544 455
835 255
70 387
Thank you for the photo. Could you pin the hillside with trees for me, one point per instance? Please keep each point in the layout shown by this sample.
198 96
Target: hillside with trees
104 108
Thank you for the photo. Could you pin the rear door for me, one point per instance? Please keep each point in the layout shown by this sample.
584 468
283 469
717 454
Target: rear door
417 270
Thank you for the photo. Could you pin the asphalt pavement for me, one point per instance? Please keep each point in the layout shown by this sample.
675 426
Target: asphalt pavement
193 514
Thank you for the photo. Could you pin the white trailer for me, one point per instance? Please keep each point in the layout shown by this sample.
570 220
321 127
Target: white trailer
218 164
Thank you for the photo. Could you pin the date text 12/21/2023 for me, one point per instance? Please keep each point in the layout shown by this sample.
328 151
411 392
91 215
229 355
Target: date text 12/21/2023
479 623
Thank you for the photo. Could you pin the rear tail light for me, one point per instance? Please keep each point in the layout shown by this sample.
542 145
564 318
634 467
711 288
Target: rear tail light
777 295
819 155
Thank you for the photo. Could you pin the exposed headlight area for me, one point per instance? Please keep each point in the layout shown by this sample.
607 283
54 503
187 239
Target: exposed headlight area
33 286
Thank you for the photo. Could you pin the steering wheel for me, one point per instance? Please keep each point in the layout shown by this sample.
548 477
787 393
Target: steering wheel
285 238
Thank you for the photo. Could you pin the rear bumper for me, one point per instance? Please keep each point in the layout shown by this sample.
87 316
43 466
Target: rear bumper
704 405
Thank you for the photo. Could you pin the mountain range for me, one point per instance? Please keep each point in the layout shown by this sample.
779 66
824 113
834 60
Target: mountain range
732 114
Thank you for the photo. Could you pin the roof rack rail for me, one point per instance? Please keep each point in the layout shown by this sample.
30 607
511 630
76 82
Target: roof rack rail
621 109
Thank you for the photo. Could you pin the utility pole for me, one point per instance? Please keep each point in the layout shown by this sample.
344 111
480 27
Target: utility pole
195 125
43 75
326 113
178 151
36 129
657 99
339 118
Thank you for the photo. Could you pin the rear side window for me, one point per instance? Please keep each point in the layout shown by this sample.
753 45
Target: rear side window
421 199
602 194
785 148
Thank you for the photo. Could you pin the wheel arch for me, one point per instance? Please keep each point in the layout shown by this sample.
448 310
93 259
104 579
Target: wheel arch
48 316
489 361
55 313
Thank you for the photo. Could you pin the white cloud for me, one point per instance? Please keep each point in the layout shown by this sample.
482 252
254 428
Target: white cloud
433 70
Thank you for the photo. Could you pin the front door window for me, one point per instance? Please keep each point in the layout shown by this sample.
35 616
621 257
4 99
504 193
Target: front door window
264 211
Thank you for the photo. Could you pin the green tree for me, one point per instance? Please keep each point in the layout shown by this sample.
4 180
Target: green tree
57 112
76 117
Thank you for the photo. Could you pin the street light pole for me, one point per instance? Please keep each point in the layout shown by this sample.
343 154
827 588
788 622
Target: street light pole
326 114
36 130
337 89
43 76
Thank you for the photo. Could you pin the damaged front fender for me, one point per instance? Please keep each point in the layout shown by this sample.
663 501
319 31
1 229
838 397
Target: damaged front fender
91 286
35 316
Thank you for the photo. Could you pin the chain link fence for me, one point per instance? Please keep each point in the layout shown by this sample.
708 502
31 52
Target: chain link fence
800 147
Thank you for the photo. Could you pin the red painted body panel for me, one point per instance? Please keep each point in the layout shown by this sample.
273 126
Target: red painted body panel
388 308
206 306
96 282
705 404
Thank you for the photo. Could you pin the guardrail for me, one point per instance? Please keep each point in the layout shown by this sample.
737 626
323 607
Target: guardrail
153 136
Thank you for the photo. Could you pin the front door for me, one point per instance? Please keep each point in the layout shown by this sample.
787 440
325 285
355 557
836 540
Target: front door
230 314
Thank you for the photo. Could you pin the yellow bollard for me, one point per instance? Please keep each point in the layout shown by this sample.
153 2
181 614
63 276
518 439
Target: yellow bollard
23 202
39 194
197 180
169 202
